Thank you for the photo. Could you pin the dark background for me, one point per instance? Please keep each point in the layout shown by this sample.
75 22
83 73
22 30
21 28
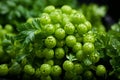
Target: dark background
113 7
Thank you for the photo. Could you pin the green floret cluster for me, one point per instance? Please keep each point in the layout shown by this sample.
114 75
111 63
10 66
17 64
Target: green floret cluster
60 44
